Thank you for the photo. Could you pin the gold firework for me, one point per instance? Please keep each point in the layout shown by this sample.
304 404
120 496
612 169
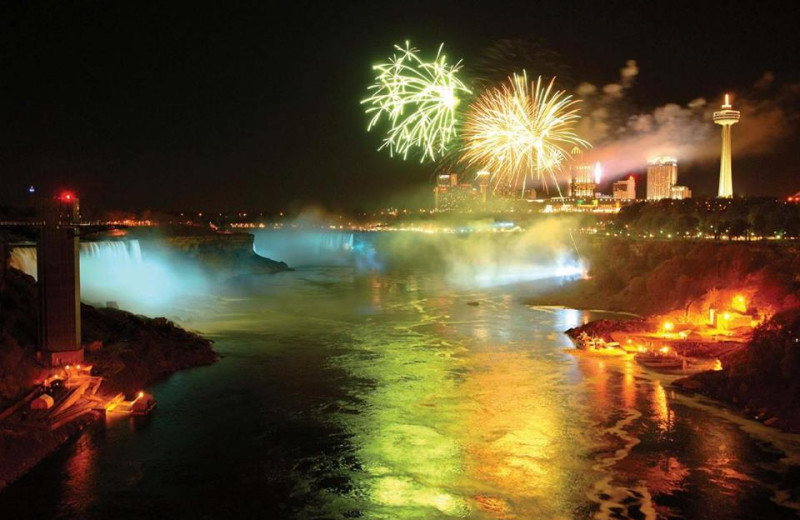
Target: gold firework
521 131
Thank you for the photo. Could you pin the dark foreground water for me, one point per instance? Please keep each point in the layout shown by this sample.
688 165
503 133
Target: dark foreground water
389 397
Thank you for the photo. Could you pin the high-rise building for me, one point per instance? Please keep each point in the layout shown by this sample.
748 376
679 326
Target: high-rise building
680 192
529 193
662 175
450 195
583 176
726 118
482 178
625 189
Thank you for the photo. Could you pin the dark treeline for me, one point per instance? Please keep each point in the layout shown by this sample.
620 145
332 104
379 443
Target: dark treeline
762 378
749 218
661 276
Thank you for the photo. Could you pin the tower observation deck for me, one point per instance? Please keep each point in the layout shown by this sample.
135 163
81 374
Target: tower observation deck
726 118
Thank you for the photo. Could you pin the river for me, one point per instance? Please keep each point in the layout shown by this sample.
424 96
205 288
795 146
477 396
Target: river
397 395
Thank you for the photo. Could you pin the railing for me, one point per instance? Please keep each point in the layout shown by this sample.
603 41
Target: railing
727 114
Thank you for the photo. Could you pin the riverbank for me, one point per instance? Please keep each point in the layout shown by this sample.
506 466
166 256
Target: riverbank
761 379
129 352
23 450
756 377
649 277
687 284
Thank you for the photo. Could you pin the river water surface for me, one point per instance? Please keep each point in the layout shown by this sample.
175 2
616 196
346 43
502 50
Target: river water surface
392 396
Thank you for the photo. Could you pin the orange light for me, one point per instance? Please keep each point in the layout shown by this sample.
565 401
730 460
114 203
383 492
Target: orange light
664 350
141 394
668 326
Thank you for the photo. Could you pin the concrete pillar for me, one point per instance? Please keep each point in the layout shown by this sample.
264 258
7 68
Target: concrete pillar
59 283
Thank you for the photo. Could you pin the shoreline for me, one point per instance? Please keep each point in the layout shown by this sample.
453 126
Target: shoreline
25 452
24 449
129 352
757 405
31 447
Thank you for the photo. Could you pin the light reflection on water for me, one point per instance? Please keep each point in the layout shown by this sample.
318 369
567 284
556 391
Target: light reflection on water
388 396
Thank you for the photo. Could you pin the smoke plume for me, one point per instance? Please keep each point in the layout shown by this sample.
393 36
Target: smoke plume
624 140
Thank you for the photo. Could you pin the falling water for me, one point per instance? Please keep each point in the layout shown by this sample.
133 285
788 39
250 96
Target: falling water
118 271
301 248
24 258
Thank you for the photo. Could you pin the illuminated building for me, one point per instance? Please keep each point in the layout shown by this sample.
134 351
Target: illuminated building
482 178
625 189
726 118
450 195
601 204
662 175
59 283
583 176
443 182
680 192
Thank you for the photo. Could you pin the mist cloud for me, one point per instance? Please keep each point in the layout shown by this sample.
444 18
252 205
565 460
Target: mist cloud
624 140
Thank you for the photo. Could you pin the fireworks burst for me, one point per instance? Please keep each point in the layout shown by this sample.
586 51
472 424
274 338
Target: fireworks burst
418 99
521 131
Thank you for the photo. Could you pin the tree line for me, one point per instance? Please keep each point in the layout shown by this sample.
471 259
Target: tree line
747 218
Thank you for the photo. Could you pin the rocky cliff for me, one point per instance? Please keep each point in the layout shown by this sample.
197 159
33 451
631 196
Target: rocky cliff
230 253
656 277
130 351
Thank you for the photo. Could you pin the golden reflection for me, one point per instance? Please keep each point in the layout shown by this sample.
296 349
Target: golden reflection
661 410
629 384
514 436
80 468
665 477
597 380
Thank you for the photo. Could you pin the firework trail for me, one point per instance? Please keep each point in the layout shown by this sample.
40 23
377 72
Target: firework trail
521 132
418 100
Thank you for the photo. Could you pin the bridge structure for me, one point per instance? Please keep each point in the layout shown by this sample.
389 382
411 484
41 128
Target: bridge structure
57 223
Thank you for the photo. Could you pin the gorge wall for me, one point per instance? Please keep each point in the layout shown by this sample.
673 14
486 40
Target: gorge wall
655 276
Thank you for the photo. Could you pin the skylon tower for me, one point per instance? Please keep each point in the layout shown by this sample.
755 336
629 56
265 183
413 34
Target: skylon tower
726 118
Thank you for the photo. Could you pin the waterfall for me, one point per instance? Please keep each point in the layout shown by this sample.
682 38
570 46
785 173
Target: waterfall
116 251
334 242
24 258
306 247
117 271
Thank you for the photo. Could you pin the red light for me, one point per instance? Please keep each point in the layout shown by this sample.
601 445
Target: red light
66 196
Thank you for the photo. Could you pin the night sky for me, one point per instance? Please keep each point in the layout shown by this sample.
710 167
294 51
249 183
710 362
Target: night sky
255 105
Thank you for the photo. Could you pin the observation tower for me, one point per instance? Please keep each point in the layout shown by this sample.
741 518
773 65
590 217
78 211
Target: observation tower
726 118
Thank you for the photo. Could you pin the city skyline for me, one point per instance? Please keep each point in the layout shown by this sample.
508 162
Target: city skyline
176 121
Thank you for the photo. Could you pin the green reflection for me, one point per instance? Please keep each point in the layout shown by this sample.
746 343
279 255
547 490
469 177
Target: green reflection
455 424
